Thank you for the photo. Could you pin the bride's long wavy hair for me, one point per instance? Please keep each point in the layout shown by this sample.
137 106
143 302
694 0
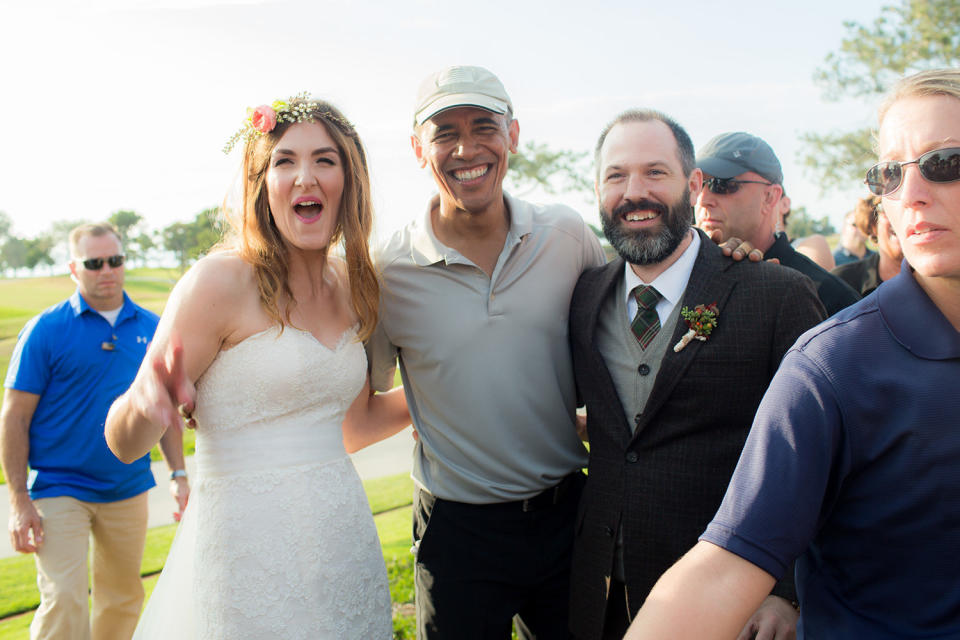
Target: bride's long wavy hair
258 241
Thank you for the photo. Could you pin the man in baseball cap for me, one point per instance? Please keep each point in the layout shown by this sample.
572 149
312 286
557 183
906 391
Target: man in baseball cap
474 305
741 194
461 87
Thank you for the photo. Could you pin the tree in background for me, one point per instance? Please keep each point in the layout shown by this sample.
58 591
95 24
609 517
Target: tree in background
554 171
5 224
801 224
905 38
176 238
59 236
141 246
124 220
190 240
207 232
13 254
39 250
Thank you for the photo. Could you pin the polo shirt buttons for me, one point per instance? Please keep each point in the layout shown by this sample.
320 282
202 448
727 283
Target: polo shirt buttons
632 457
608 531
644 369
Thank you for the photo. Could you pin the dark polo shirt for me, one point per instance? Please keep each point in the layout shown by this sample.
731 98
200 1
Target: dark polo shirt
851 467
862 275
834 293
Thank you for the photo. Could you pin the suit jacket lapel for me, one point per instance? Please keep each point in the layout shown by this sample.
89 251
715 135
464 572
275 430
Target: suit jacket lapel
708 283
608 279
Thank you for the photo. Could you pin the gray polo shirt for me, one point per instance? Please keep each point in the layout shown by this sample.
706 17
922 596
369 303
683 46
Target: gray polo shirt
485 361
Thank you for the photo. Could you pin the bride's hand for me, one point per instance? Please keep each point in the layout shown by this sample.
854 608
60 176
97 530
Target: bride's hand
169 393
161 393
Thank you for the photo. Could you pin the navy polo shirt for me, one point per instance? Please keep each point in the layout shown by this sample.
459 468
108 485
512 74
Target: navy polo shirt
853 467
78 364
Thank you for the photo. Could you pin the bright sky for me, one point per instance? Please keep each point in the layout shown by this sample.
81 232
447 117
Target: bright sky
126 104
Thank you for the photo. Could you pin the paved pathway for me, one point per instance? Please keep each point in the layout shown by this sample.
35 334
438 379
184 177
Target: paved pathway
386 458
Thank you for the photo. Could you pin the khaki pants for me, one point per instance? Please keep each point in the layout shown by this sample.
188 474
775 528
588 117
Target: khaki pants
118 532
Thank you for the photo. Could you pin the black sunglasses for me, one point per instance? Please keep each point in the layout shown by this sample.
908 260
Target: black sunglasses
727 186
942 165
95 264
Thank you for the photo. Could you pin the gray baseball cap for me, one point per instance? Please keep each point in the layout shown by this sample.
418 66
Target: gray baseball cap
730 154
460 87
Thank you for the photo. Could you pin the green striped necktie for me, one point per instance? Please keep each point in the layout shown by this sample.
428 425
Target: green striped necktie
646 323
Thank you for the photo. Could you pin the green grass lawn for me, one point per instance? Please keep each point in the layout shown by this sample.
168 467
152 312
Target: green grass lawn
390 501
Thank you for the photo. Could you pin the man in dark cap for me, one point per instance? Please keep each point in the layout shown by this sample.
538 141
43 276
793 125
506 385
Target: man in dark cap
742 189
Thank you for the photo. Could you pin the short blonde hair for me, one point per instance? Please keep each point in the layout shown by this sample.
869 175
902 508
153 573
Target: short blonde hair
934 82
95 229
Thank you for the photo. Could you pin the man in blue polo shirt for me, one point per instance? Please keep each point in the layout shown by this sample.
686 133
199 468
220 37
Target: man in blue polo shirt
69 365
851 464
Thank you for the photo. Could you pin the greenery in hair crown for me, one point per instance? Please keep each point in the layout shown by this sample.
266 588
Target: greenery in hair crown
263 119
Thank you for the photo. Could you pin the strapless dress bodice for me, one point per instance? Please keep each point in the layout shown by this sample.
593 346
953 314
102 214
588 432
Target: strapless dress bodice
278 398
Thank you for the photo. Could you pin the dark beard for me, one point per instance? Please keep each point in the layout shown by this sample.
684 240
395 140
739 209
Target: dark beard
644 247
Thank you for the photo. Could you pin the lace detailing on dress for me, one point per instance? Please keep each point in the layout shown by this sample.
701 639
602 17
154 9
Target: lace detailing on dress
300 559
284 544
273 375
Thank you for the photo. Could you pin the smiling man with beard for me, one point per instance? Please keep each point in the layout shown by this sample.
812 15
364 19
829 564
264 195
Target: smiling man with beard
666 418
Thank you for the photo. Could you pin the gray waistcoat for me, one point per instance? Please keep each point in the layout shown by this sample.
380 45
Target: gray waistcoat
633 369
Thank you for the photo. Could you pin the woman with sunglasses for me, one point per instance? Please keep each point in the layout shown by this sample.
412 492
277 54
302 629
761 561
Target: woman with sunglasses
851 464
260 348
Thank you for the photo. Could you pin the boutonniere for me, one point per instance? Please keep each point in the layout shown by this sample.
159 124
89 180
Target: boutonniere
701 322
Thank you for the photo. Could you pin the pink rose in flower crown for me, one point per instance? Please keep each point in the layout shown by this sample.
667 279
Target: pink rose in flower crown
264 118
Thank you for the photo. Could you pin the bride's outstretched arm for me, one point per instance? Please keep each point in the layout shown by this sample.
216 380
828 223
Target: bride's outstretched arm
188 338
373 417
140 417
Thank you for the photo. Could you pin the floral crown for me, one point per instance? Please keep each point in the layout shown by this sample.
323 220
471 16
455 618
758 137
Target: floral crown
299 108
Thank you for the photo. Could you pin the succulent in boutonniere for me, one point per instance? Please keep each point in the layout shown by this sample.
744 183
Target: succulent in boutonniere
701 322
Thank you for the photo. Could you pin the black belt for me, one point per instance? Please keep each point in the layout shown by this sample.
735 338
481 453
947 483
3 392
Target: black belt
546 498
553 495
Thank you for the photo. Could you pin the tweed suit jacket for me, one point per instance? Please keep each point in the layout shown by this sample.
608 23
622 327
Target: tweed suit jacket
663 483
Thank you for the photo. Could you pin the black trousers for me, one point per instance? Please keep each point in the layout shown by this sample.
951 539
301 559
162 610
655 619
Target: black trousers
617 616
480 567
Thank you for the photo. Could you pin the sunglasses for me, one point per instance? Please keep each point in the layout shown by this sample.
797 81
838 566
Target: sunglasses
95 264
727 186
942 165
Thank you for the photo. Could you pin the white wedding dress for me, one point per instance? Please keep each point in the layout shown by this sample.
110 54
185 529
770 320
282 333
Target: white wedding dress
277 540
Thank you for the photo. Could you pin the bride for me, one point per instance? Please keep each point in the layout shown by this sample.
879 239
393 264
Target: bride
259 348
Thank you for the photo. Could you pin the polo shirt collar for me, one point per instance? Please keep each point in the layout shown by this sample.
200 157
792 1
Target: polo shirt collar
427 249
79 306
913 319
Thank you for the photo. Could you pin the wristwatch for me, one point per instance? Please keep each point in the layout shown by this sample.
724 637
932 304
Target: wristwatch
179 473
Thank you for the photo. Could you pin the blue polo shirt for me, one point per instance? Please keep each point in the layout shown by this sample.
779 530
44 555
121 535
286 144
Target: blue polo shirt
853 467
78 364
